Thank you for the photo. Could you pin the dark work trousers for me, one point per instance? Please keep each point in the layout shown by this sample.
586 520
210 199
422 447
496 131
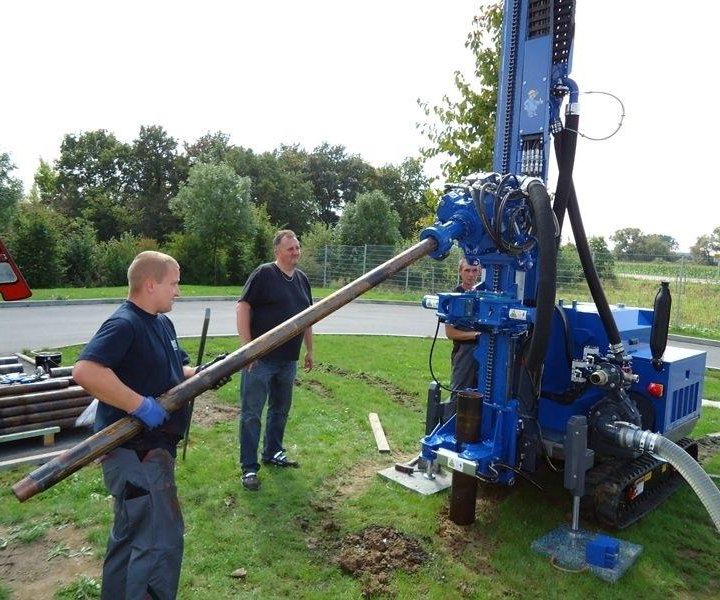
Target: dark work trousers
144 552
271 381
464 368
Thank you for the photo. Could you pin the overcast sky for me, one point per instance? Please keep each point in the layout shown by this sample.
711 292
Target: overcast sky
349 72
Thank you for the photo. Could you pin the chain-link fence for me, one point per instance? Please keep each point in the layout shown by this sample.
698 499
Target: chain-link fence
633 281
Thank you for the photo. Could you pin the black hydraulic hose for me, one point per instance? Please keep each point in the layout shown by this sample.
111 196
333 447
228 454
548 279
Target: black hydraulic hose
591 275
565 145
544 227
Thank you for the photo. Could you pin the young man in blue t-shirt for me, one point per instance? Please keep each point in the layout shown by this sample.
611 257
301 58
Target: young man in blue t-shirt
133 358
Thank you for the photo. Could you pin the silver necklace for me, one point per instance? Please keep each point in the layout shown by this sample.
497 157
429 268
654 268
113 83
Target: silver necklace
284 275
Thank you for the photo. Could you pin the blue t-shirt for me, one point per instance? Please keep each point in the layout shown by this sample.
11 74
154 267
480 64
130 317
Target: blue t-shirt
274 299
143 351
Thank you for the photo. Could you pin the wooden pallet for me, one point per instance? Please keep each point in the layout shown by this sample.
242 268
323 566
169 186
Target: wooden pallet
47 433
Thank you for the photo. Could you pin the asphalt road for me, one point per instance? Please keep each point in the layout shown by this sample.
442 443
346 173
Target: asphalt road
31 327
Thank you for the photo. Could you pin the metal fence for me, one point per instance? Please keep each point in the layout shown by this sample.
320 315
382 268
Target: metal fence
633 281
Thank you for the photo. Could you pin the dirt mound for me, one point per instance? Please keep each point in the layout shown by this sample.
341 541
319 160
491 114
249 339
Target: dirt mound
375 552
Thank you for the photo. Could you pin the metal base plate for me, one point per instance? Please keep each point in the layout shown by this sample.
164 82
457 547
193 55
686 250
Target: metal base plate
418 482
567 551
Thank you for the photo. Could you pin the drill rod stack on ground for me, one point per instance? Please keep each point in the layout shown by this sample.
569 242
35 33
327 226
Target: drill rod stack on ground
102 442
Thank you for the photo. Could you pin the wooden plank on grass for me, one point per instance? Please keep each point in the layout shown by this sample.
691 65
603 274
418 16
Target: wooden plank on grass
380 439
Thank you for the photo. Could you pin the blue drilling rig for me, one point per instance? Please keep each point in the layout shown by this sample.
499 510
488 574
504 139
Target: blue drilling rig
588 383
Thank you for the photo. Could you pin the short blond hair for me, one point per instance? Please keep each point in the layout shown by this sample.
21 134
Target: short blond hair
148 264
464 260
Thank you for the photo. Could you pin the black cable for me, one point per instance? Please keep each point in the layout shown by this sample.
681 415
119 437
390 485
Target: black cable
525 476
432 373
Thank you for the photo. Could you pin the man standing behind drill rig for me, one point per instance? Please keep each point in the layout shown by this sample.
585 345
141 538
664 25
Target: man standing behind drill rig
464 367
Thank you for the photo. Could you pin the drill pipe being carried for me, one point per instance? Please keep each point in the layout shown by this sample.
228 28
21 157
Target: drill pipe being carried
112 436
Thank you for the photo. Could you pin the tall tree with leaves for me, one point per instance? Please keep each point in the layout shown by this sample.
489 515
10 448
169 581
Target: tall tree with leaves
35 242
11 190
154 174
462 130
369 220
215 206
405 186
337 178
706 249
91 163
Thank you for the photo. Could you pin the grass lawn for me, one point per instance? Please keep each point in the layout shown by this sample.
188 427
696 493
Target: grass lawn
288 537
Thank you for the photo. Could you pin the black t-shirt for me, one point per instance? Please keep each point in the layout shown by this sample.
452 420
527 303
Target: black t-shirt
461 345
274 298
143 351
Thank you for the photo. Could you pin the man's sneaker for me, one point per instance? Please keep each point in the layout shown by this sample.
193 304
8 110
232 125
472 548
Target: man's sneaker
251 482
280 459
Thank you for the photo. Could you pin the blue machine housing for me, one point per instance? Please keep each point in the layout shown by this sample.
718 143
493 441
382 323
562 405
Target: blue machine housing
673 414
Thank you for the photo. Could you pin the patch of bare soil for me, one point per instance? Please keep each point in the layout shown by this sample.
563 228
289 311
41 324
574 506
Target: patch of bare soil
398 394
208 411
469 543
38 569
314 386
374 553
708 446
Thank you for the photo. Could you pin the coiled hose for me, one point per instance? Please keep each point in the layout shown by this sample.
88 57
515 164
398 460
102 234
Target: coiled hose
653 443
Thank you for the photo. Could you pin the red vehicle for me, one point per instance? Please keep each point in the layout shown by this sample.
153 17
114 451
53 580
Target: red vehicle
12 283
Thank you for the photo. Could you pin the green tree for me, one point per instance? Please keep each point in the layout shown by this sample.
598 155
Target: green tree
370 220
706 249
248 252
90 163
215 206
212 147
627 242
11 190
632 244
336 177
405 186
569 268
153 176
79 254
317 245
602 257
35 242
461 129
116 254
45 180
702 251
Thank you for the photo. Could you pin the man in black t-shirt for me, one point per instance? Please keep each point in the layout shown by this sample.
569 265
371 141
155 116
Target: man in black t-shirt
274 292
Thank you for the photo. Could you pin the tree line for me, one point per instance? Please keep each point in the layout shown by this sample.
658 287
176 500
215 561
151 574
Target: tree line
211 204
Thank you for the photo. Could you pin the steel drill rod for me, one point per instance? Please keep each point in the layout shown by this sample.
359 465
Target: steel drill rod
17 389
62 423
21 399
40 407
8 360
11 368
41 417
60 372
112 436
